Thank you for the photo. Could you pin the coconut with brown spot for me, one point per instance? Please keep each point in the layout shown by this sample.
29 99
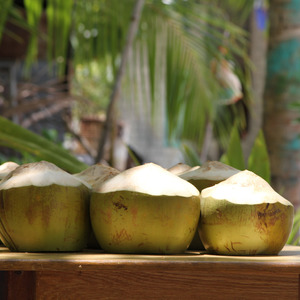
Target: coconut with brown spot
209 174
145 209
43 208
95 175
243 215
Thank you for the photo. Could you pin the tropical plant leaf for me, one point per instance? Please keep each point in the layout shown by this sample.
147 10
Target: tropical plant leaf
234 154
191 157
4 12
179 66
294 235
258 161
239 10
193 33
34 10
59 20
21 139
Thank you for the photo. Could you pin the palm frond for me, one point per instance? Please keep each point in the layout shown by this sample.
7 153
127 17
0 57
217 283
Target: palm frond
194 33
59 18
21 139
294 238
171 61
33 12
4 11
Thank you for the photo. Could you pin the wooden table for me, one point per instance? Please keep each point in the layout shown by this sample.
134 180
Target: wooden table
194 275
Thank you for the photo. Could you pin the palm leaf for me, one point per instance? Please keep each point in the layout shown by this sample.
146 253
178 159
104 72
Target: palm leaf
4 11
21 139
15 17
191 157
33 12
59 18
258 161
193 34
192 30
294 235
234 154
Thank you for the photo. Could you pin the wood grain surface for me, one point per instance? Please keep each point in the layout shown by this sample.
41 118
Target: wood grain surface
96 275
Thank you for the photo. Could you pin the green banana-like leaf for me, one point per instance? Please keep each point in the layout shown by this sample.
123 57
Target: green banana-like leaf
21 139
258 161
294 235
191 158
234 154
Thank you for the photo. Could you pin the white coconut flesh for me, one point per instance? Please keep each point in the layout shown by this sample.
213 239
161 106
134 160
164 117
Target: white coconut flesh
149 179
211 170
97 173
40 174
244 188
7 168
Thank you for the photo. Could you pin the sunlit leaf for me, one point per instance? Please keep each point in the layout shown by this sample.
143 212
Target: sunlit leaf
59 19
234 154
258 161
294 235
34 10
191 157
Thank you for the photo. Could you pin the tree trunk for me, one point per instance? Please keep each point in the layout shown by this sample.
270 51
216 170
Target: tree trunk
258 53
283 89
117 85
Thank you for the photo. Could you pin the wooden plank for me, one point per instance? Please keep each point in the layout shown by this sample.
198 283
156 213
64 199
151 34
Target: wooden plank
3 285
93 260
20 285
192 282
94 275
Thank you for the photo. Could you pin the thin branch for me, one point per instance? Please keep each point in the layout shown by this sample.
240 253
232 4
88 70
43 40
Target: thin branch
82 140
47 112
117 86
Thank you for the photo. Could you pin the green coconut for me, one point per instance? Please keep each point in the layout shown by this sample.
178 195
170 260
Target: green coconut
243 215
43 208
209 174
6 168
145 209
95 175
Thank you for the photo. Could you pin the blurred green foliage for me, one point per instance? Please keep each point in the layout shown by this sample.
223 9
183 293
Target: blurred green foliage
25 141
258 161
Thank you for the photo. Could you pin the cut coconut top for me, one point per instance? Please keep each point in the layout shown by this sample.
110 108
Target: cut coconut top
211 170
97 173
7 168
149 179
179 168
39 174
244 187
